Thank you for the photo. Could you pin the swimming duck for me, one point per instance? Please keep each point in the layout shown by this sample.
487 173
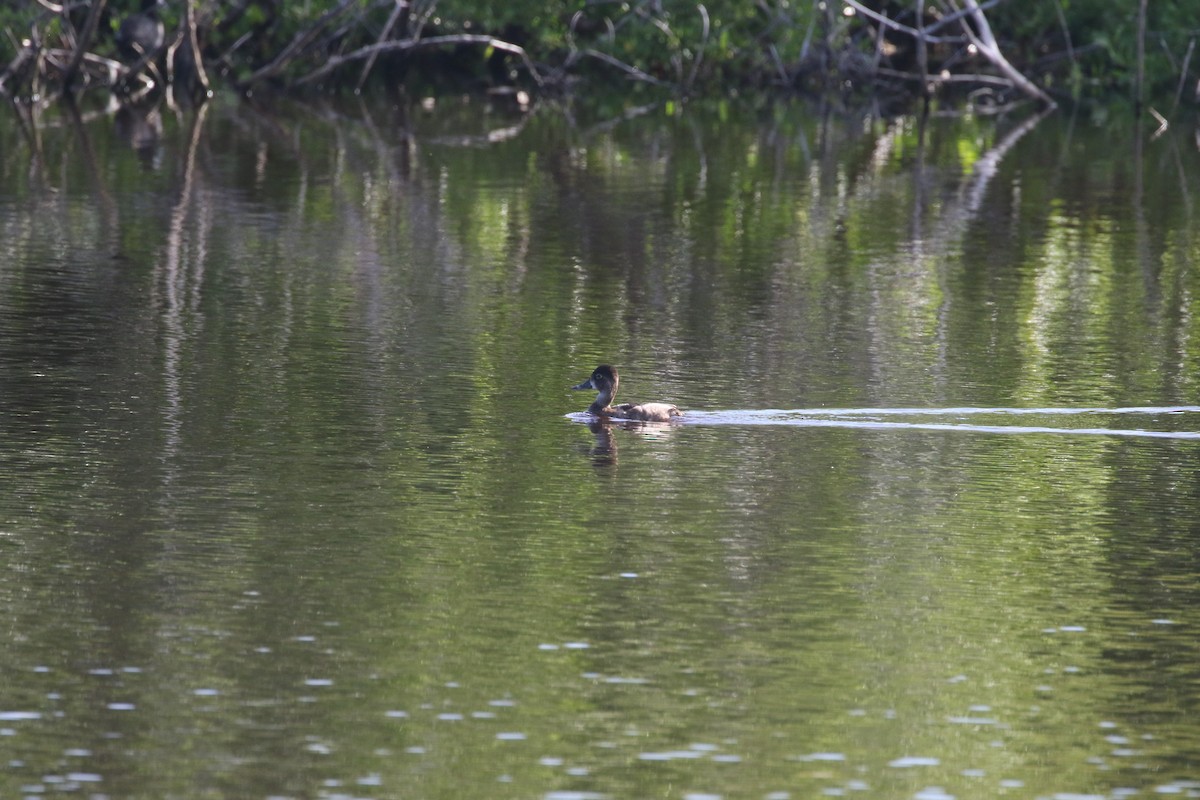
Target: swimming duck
604 380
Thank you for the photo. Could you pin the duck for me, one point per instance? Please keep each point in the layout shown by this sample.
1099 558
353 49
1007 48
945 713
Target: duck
604 379
141 34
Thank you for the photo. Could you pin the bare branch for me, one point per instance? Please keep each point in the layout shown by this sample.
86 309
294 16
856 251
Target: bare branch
1062 23
26 53
628 69
415 44
1139 80
400 7
1162 123
888 22
85 40
959 14
1183 73
699 59
194 43
985 42
973 78
298 44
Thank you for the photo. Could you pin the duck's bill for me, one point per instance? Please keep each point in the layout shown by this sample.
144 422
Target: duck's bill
585 385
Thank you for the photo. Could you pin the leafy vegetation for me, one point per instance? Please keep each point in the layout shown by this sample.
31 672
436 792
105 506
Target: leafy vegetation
1068 47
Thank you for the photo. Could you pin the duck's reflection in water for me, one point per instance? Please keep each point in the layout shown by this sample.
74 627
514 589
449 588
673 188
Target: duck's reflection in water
604 449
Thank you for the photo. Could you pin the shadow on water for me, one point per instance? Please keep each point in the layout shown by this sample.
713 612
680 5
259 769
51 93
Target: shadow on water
874 419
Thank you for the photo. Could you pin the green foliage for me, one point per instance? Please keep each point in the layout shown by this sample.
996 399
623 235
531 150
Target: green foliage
723 39
717 43
1103 36
15 23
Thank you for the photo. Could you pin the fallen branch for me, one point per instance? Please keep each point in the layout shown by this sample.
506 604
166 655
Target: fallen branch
976 78
1183 73
628 69
1162 124
921 35
416 44
985 43
192 41
85 40
400 8
26 55
297 45
109 70
1066 30
1139 80
699 59
960 14
147 63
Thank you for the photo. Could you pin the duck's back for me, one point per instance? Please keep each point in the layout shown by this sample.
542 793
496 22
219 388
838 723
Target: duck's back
649 412
138 35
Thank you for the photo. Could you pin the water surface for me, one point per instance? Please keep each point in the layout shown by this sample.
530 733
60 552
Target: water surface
298 504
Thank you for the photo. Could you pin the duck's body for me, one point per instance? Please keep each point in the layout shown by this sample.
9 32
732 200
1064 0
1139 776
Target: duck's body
140 34
604 380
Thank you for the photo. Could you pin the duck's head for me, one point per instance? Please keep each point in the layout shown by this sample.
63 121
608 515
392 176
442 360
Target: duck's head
603 379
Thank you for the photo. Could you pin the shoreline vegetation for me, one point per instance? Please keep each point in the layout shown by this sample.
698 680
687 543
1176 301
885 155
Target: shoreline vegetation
986 55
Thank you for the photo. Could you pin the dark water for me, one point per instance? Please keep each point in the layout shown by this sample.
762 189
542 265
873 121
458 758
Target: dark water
296 502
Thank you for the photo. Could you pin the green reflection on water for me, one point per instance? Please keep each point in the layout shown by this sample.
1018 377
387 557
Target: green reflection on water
292 508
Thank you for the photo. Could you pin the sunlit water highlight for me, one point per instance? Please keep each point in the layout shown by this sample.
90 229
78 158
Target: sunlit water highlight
834 418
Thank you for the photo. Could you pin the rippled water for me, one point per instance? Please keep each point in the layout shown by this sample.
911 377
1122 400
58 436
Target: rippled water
885 418
298 503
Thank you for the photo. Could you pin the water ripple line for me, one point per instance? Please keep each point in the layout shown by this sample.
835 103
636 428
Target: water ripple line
949 426
956 411
825 418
